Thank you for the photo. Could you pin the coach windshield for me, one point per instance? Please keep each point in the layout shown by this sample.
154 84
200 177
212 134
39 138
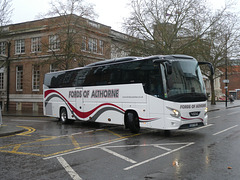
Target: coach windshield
185 83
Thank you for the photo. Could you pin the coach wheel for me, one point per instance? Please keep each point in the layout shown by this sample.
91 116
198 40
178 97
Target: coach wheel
132 122
63 116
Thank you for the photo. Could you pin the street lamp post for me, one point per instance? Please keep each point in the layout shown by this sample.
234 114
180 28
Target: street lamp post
226 71
226 85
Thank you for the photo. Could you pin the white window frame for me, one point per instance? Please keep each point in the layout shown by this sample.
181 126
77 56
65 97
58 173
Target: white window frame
101 46
36 45
20 46
84 43
3 48
19 78
36 78
54 42
53 68
94 24
92 45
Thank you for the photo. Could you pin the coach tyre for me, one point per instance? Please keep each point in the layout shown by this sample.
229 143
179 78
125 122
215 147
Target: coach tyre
63 115
133 122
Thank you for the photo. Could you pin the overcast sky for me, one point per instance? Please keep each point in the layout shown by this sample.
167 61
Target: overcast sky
110 12
111 15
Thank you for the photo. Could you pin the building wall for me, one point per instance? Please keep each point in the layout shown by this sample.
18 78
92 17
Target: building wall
234 81
30 100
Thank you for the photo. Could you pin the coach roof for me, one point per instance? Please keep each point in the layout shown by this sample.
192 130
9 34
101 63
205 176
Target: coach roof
126 59
110 61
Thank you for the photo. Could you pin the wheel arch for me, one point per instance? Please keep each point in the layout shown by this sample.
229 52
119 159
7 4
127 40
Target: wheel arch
69 113
125 116
59 110
69 120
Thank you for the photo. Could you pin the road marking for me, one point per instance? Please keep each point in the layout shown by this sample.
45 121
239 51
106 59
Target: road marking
214 117
80 133
30 130
87 147
21 153
77 148
195 129
17 146
118 135
69 169
16 120
156 157
233 113
225 130
71 151
74 141
15 149
161 147
38 140
118 155
148 145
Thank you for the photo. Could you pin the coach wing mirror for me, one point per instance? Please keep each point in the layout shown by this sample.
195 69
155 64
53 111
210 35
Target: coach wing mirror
209 65
166 63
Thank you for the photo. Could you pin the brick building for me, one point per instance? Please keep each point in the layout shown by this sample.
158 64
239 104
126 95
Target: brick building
234 81
33 48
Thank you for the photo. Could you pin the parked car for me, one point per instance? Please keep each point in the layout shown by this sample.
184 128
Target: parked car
223 98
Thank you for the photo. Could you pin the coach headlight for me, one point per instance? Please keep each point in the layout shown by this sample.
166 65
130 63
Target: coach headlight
206 110
175 113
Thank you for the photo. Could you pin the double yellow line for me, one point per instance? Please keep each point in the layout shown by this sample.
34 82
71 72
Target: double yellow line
29 131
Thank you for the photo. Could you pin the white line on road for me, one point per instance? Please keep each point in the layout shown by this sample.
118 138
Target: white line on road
85 132
233 113
225 130
79 150
118 155
161 147
79 133
195 129
161 155
214 117
69 169
147 145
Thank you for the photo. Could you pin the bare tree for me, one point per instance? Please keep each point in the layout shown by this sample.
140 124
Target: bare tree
5 18
184 27
68 30
223 41
169 27
77 7
5 12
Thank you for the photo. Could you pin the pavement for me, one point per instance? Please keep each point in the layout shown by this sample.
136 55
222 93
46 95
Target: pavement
6 130
222 105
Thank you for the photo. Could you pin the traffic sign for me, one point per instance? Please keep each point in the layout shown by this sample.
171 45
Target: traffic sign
226 81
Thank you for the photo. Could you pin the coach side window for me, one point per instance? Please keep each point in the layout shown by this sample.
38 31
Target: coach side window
55 79
69 77
92 77
115 74
105 75
81 76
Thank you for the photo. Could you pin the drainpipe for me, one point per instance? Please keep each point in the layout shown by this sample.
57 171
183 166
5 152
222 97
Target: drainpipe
8 74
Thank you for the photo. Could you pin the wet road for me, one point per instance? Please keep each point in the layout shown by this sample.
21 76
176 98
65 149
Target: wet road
50 150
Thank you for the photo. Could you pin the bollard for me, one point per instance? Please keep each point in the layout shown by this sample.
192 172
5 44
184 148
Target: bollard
0 116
